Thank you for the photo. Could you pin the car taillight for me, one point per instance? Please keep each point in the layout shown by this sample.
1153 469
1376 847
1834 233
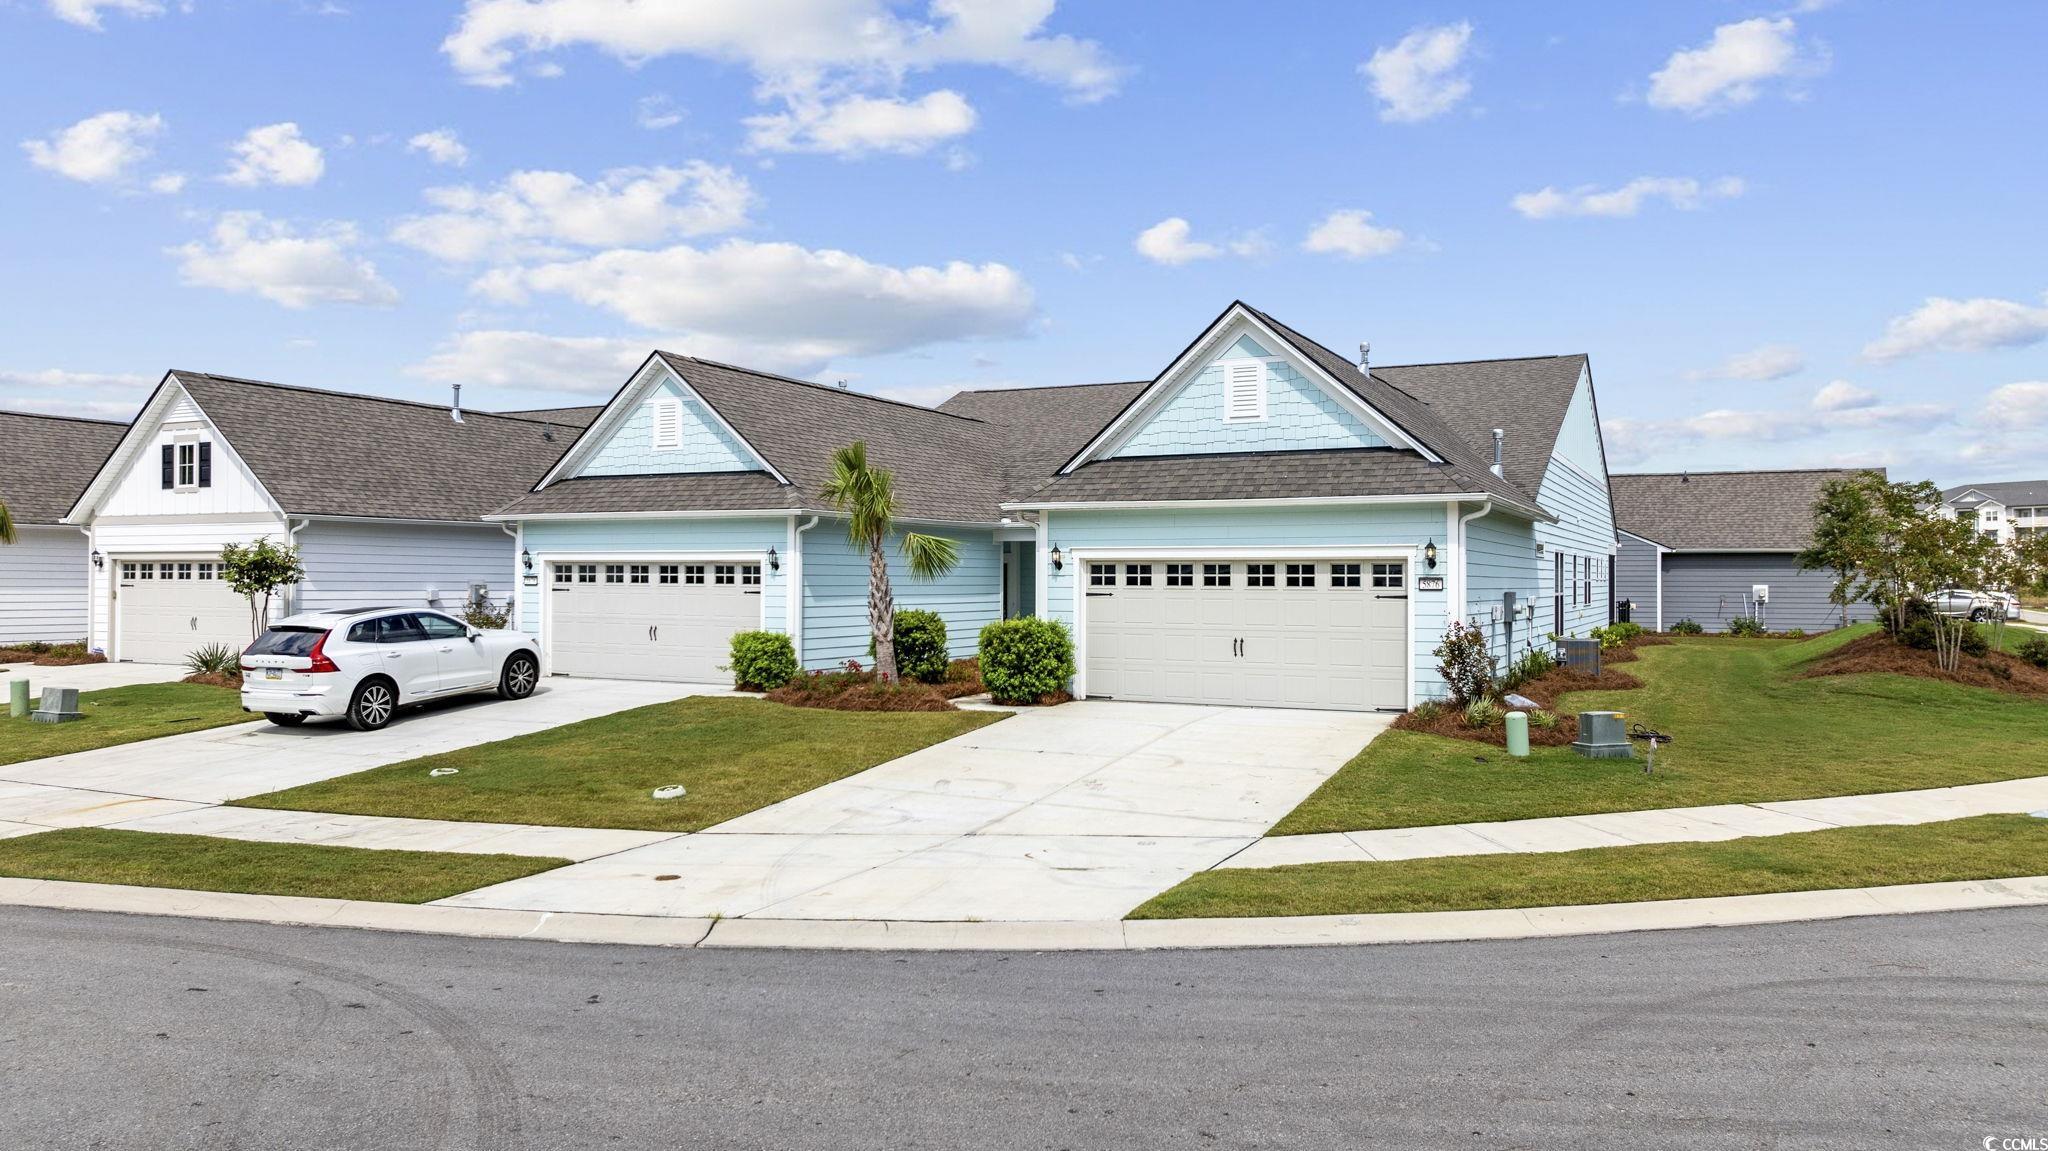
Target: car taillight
319 657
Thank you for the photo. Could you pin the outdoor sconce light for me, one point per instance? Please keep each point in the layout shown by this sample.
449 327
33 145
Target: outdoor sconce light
1429 553
98 560
1057 559
526 559
774 561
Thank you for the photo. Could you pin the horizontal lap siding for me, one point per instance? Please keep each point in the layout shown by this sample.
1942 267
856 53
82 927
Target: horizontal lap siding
1367 526
1500 558
547 539
374 564
1585 527
1635 578
1711 588
43 593
182 539
836 592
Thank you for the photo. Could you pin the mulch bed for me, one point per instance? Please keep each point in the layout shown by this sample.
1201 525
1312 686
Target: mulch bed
963 678
68 655
212 679
1877 653
859 691
1545 689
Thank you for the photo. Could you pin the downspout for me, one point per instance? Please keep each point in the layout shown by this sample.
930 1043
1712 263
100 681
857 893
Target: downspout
1463 573
92 579
291 540
518 533
795 590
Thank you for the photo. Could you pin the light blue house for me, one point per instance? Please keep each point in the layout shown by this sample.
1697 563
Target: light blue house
1265 522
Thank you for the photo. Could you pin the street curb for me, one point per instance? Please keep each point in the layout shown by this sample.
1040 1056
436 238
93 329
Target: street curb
1127 935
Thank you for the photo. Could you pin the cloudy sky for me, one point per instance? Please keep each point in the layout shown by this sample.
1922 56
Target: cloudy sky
1798 235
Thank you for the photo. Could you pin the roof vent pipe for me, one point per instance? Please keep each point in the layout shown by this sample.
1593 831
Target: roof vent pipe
1498 437
1365 357
455 413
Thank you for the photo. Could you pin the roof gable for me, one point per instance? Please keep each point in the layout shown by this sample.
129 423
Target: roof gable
690 438
50 460
1294 412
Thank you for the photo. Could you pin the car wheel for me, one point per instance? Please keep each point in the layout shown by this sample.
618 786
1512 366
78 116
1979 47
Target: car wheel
521 676
1979 615
284 718
373 705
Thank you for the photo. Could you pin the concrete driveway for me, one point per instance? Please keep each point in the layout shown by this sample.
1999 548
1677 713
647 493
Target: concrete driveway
1077 812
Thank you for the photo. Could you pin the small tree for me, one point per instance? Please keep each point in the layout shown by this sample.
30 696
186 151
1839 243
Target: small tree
258 570
1465 663
867 495
6 524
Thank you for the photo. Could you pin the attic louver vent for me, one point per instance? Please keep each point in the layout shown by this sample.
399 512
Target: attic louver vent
1244 390
668 424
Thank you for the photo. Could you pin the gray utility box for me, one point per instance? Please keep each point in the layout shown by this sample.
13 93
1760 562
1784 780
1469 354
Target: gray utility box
1581 654
59 704
1601 736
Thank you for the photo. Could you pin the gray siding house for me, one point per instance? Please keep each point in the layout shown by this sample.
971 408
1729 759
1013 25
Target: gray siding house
47 461
1700 545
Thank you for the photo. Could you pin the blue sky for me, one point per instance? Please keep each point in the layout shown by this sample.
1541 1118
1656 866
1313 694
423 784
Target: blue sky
1787 236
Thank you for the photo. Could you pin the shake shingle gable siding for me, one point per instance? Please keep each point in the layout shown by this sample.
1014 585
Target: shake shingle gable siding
48 461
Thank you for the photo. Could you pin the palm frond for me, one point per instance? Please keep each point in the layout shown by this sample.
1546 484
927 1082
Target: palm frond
930 556
867 494
6 525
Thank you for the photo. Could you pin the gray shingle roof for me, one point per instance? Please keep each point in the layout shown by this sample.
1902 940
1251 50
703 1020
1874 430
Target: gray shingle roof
1044 427
703 491
2011 494
46 462
327 453
1722 511
1525 397
577 417
1262 475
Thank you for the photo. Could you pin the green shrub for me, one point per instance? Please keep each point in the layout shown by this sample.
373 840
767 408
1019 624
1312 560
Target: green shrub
921 646
1541 718
1795 633
37 647
482 615
214 659
2034 650
1428 710
1465 664
1974 640
1024 659
1745 626
762 660
1922 631
1686 627
1483 713
1617 634
1532 664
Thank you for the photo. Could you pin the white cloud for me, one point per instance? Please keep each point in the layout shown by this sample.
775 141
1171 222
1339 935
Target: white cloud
1843 396
535 213
859 125
781 304
1760 365
275 154
2024 404
1681 192
1170 242
1417 79
86 13
1960 326
1728 69
442 146
657 112
99 149
532 361
1351 232
59 392
168 184
250 253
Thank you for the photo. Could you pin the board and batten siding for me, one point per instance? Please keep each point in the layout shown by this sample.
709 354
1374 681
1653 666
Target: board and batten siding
371 564
1712 588
628 539
835 605
43 585
1369 527
1635 579
1500 557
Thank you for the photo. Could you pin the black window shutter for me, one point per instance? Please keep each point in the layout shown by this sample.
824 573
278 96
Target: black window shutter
169 464
205 464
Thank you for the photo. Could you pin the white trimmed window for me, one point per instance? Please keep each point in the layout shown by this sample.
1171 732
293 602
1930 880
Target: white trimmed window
668 424
1244 391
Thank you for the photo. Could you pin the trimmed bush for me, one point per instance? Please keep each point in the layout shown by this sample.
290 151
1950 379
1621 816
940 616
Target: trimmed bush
1024 660
921 646
1686 627
1618 634
1745 626
2034 651
762 660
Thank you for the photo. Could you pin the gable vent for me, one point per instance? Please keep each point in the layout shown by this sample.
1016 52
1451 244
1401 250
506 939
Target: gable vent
1244 390
668 424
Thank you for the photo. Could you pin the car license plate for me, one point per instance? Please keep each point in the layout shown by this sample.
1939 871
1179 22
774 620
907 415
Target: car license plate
273 673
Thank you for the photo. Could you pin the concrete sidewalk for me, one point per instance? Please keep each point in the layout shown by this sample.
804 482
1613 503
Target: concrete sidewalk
1666 825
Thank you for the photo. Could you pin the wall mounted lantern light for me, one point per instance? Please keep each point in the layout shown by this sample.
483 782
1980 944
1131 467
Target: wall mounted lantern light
98 560
526 560
774 561
1057 559
1429 553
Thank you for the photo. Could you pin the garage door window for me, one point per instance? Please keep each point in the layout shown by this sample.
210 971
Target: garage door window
639 573
1301 575
723 574
1137 575
564 573
1101 575
1258 575
670 573
1344 575
205 571
586 573
750 575
1215 575
1180 575
1388 575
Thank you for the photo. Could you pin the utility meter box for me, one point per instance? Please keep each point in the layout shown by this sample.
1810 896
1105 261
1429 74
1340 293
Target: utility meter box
1760 592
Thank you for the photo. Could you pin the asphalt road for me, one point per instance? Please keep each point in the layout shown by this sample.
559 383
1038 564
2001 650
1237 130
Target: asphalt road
1916 1031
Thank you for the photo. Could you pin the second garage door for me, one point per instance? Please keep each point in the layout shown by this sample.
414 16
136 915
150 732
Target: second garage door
169 608
664 621
1302 633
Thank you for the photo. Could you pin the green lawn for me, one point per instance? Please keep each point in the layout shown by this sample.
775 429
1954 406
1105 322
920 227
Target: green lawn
204 863
1986 847
122 715
733 756
1747 730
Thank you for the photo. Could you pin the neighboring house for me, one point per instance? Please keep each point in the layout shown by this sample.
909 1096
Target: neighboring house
2005 511
48 460
1698 545
1263 523
383 497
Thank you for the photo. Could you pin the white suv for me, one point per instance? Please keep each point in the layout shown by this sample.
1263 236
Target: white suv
365 663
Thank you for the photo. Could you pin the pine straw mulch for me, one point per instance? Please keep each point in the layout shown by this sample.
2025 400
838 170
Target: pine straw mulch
1545 689
1877 653
215 679
64 655
859 691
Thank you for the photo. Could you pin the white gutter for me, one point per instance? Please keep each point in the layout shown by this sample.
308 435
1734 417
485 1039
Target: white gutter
1458 605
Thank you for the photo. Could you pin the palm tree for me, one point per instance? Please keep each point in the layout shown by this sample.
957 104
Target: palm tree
868 497
6 525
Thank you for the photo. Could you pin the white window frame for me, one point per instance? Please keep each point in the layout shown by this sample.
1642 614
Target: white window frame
185 460
666 415
1235 412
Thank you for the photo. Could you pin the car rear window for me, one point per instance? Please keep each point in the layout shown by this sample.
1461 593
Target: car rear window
286 641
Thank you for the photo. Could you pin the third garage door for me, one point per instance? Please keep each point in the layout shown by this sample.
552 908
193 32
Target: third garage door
665 621
1301 633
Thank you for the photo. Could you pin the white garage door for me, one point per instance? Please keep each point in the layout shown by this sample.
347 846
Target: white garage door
665 621
1289 633
170 608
